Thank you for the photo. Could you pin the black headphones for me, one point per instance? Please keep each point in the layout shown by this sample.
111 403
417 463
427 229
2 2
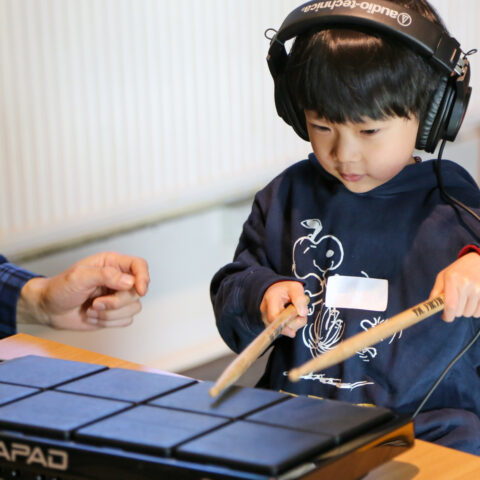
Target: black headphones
449 103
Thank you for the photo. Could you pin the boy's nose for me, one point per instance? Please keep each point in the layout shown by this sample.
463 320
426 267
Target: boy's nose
346 150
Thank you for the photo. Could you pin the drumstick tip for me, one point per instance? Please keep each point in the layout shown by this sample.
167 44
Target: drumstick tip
214 391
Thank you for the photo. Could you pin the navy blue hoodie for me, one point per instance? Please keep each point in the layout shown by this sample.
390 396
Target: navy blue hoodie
305 225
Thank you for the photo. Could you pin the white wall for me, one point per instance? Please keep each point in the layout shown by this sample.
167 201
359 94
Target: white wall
117 112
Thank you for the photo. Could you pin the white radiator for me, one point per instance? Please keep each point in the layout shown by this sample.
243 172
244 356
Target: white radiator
114 113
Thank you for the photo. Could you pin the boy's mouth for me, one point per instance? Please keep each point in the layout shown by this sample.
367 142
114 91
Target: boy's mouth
350 177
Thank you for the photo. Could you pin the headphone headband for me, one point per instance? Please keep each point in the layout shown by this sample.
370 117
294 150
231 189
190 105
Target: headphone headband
390 19
428 38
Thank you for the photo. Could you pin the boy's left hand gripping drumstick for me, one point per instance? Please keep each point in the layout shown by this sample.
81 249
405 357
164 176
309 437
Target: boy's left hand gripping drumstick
241 364
352 345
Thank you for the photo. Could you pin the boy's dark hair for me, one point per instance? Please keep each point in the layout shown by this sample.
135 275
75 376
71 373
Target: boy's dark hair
348 75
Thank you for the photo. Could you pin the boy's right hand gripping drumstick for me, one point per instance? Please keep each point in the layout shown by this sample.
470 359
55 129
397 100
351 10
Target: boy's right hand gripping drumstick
351 346
241 363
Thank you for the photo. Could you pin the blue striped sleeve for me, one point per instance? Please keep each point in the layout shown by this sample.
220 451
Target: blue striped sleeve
12 279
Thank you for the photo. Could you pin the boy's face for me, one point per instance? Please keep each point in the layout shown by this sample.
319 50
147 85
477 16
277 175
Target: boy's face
363 155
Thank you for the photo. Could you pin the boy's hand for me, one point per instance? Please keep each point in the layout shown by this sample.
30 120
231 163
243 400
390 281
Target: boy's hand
460 283
99 291
277 297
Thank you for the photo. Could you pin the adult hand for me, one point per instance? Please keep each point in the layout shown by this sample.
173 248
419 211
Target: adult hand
277 297
102 290
460 283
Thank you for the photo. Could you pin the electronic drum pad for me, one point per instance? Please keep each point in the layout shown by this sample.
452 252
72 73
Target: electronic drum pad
61 419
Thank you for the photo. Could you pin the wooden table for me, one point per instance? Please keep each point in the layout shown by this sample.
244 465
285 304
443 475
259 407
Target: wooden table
23 344
425 461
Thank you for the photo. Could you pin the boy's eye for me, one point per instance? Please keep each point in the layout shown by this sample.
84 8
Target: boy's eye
370 131
321 128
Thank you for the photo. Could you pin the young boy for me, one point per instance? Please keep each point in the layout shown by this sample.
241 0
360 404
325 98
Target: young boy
362 206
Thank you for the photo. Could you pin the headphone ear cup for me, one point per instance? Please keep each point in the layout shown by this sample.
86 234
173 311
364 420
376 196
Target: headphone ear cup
287 110
463 92
429 128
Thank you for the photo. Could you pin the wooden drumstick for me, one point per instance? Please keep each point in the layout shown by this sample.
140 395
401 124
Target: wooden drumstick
241 364
351 346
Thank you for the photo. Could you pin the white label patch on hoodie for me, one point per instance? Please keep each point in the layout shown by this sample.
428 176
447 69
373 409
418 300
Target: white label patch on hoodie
360 293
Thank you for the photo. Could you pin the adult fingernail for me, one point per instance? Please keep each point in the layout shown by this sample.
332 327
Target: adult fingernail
99 306
92 321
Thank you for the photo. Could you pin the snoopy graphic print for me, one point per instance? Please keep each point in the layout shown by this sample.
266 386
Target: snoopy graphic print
316 258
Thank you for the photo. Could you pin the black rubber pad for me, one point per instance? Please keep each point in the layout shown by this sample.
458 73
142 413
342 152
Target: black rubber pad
56 413
338 419
256 447
146 428
43 372
128 385
234 403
